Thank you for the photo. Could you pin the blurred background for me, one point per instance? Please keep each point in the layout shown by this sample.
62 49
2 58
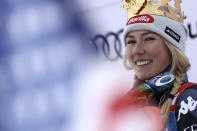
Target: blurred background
61 62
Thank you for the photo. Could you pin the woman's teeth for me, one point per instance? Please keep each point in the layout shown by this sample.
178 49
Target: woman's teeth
140 63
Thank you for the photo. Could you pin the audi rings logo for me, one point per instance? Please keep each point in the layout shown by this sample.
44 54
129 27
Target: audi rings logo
110 44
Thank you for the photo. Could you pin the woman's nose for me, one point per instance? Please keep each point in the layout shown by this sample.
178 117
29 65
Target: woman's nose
139 48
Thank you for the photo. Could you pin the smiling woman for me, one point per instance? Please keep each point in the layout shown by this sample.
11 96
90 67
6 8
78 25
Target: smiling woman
147 53
155 38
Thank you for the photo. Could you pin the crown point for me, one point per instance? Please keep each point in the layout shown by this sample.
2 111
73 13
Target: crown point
161 8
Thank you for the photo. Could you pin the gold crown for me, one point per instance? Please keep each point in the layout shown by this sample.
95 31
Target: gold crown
162 8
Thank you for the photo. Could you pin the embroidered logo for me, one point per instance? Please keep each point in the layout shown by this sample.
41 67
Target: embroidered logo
141 19
173 34
187 107
191 128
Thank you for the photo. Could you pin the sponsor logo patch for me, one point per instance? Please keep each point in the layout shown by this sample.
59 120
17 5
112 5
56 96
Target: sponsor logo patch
140 19
190 106
173 34
191 128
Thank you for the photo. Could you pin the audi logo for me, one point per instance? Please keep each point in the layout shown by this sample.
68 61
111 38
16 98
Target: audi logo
110 45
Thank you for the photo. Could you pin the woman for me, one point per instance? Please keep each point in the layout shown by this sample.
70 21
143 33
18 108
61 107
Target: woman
155 43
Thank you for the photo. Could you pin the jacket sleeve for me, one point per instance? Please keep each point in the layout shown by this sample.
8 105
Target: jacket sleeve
186 110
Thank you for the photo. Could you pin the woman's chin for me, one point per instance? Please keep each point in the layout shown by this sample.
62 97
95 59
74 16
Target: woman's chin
143 77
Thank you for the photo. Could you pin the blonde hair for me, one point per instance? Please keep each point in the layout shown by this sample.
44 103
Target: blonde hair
125 63
180 64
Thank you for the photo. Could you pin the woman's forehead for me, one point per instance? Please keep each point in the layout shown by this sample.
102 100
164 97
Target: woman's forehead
140 32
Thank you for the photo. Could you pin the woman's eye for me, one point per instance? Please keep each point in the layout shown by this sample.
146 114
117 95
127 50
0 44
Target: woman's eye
131 42
149 39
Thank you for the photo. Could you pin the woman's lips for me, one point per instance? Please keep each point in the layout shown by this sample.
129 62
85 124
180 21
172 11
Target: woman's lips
143 62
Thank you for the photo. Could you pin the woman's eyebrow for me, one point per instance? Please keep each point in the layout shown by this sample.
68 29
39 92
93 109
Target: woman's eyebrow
146 33
143 34
130 36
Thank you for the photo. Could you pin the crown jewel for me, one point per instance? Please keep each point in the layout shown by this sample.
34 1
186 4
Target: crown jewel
162 8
